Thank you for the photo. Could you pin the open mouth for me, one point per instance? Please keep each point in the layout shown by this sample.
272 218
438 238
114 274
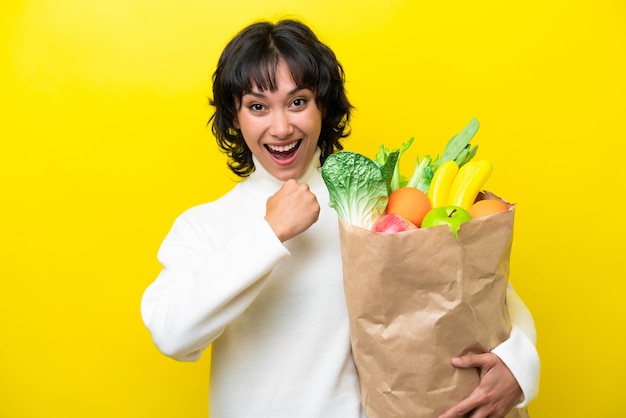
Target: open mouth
283 152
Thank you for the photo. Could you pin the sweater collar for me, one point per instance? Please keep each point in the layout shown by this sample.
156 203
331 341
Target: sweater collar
262 182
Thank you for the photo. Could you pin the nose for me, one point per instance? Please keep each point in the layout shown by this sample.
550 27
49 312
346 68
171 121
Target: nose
280 126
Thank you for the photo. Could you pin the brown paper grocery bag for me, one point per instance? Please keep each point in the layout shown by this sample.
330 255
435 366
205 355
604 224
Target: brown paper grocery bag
417 299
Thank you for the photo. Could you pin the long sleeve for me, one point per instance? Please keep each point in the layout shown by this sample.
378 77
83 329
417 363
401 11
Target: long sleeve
518 352
271 311
207 280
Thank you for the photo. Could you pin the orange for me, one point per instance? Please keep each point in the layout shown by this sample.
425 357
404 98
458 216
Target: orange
486 207
410 203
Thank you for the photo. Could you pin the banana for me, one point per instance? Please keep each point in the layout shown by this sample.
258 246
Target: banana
468 182
439 189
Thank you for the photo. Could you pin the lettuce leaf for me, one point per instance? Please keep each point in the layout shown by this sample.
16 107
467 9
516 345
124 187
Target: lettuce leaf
358 186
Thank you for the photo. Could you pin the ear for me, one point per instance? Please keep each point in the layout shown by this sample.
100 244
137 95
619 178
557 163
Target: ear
236 123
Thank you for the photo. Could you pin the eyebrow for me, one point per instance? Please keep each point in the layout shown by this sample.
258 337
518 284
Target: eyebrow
289 93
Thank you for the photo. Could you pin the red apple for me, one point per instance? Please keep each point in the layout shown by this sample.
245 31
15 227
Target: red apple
453 216
391 223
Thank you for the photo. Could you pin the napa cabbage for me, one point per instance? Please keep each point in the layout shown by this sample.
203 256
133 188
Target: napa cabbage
358 186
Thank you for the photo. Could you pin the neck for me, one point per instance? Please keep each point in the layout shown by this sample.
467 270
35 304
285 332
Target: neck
262 180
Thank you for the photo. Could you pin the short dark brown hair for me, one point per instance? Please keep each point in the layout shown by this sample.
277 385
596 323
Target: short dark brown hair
252 56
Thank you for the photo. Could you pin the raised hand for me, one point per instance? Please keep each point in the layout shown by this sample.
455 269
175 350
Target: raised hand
292 210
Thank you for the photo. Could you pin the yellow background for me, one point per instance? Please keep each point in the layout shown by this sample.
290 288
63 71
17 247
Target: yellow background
104 142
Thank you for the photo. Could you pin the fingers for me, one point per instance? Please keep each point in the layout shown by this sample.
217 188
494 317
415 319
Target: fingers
474 406
292 210
470 404
475 360
496 393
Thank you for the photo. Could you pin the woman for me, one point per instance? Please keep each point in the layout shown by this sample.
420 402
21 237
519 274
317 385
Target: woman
257 273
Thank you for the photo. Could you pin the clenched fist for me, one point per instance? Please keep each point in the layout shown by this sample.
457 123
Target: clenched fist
292 210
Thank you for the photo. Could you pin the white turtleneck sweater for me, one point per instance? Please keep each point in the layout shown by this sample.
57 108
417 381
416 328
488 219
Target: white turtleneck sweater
274 312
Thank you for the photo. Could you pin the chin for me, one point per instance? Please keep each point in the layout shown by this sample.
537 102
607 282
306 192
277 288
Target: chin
292 171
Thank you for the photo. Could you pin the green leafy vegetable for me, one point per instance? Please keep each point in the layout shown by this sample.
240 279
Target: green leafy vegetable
457 149
381 157
358 186
422 175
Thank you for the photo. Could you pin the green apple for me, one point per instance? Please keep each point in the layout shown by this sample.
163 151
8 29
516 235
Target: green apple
453 216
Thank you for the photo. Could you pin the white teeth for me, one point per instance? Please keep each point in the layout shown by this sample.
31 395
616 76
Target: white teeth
282 148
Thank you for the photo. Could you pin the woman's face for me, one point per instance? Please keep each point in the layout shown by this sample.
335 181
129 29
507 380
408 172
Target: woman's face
281 127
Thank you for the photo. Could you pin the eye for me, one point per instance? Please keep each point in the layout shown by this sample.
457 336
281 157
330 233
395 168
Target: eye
256 107
299 102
